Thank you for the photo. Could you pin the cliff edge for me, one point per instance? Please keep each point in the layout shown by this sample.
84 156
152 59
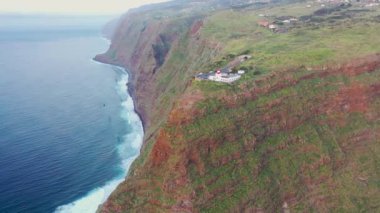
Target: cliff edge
299 131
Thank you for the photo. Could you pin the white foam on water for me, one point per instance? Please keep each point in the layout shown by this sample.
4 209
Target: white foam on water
128 151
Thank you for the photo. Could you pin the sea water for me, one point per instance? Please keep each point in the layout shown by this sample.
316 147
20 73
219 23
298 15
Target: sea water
68 130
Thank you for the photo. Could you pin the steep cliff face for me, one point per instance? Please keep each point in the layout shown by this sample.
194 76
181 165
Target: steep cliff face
161 49
299 131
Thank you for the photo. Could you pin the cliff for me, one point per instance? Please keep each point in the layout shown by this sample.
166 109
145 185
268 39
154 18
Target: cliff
298 132
158 49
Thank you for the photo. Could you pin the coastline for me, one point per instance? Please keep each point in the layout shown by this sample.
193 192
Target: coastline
130 86
131 93
128 151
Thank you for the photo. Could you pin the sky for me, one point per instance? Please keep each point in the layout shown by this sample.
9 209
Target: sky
69 7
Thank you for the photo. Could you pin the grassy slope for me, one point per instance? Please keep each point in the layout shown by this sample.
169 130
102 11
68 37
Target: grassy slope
315 164
298 128
280 148
306 44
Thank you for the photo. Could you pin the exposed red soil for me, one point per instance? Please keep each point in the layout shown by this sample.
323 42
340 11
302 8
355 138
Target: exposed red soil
185 109
161 149
196 27
354 98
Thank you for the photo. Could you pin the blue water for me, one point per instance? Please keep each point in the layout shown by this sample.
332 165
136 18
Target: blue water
68 132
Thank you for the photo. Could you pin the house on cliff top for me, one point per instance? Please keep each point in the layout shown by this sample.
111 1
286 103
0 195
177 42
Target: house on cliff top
226 74
219 76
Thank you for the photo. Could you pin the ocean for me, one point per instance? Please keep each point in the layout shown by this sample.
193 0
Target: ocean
68 130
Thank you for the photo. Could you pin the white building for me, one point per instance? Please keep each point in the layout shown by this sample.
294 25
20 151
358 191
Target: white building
272 27
224 77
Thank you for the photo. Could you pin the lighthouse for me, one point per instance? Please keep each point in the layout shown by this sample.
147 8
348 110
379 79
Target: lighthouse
218 75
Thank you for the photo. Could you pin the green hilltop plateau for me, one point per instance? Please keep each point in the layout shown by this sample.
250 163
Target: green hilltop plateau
299 131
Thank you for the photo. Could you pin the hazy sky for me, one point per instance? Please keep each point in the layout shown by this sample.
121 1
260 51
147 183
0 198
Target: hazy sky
92 7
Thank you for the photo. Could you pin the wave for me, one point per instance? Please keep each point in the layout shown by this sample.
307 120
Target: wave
128 151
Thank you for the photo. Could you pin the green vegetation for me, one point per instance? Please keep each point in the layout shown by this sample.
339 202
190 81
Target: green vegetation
303 45
302 162
301 127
